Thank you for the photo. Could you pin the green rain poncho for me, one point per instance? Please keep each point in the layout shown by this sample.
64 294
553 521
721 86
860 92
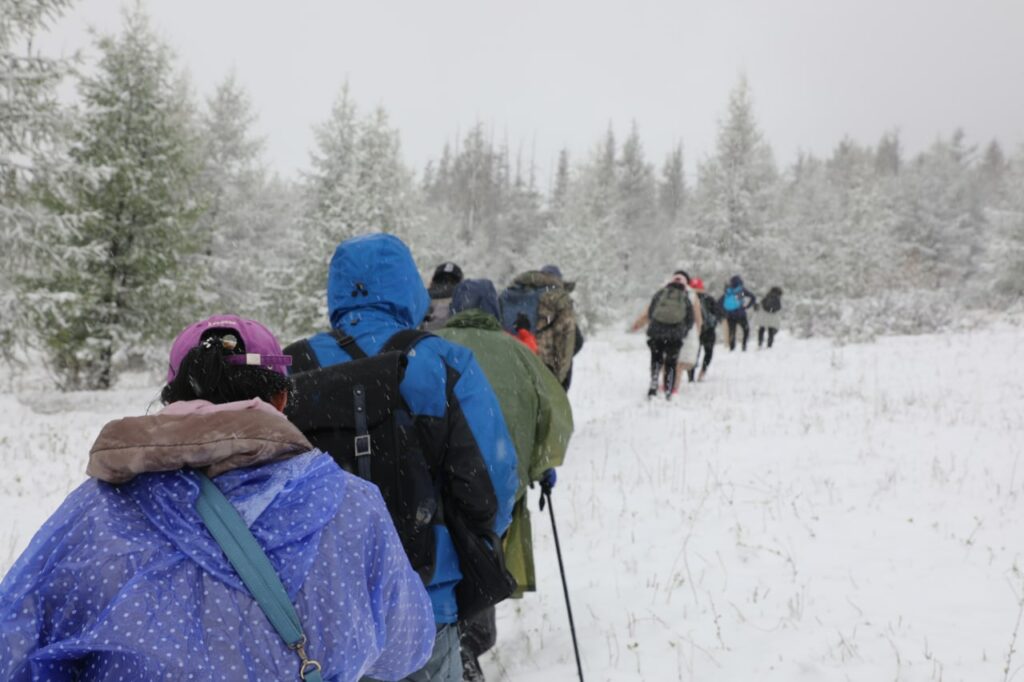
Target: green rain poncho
537 413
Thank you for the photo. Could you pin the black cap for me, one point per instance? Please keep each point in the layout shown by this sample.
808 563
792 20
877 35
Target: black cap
447 272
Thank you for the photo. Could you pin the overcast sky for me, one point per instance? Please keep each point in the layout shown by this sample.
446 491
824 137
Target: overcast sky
553 73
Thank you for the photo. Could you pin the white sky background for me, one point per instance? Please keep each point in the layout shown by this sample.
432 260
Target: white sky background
554 73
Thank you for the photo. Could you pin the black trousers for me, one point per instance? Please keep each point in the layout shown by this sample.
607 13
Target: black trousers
707 344
772 331
664 354
477 635
734 318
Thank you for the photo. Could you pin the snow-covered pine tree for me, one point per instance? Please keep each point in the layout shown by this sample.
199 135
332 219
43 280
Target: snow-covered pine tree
125 286
672 187
1006 250
358 184
642 248
942 228
34 163
235 223
735 189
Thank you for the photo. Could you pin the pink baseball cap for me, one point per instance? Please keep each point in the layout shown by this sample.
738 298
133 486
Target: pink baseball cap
257 345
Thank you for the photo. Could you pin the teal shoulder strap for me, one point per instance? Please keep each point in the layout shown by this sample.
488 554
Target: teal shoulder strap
254 568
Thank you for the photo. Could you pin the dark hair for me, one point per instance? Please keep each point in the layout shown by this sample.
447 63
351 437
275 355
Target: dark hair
204 374
684 274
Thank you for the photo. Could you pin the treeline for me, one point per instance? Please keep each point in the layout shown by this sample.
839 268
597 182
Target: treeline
140 207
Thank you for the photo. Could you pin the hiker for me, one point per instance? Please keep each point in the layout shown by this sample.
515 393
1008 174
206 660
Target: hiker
125 582
710 315
541 302
690 351
446 277
735 302
436 442
768 316
539 419
669 318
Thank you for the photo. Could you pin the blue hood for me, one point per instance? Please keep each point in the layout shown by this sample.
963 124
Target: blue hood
476 293
375 273
736 281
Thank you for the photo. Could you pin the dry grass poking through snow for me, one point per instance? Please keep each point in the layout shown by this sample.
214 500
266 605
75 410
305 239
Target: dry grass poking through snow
808 513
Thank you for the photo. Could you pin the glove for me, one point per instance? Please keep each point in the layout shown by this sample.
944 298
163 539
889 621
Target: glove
548 480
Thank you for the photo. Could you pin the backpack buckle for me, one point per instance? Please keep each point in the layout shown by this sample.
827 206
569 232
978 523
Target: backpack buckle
362 444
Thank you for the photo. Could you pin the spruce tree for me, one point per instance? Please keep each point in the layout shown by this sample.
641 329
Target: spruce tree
672 188
358 184
735 186
126 287
34 162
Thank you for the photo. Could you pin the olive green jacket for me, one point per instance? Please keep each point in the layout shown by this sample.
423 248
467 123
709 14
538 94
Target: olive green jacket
536 411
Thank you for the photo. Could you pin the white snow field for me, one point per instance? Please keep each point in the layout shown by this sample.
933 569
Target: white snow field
808 513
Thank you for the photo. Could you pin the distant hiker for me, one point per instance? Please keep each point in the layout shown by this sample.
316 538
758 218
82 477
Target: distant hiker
539 419
768 316
669 317
541 301
710 315
438 446
690 351
735 302
446 277
126 582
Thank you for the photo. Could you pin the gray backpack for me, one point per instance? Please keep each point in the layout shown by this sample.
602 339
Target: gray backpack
671 307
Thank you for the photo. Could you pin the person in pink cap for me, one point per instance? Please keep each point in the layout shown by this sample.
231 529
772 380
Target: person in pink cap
125 581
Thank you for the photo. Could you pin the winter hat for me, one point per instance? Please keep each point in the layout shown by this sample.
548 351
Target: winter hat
447 272
736 281
685 275
552 270
476 293
678 278
697 284
253 344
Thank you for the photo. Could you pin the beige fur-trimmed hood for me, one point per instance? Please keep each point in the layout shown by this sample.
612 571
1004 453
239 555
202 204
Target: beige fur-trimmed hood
215 439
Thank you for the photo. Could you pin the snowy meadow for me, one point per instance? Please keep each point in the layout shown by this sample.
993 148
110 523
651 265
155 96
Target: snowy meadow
813 512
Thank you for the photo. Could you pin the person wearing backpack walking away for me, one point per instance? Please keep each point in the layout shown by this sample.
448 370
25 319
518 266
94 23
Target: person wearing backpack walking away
539 418
668 318
690 351
544 299
125 582
710 315
446 277
735 302
769 315
446 463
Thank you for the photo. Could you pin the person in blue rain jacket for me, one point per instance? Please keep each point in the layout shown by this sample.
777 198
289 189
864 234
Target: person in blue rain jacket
374 291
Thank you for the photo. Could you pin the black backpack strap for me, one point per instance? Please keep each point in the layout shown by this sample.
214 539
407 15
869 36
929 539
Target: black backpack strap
405 340
303 357
348 344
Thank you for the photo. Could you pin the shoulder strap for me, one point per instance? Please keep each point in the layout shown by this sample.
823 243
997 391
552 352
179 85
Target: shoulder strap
348 344
303 357
254 568
405 340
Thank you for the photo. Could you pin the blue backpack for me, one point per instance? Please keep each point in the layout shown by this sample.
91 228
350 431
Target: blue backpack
519 301
733 299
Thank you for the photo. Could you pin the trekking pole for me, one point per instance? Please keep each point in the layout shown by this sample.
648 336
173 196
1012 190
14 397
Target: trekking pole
546 494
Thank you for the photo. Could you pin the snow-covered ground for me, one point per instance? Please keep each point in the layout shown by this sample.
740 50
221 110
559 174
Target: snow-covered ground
807 513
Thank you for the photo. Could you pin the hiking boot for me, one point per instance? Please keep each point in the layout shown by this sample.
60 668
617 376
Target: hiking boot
471 671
